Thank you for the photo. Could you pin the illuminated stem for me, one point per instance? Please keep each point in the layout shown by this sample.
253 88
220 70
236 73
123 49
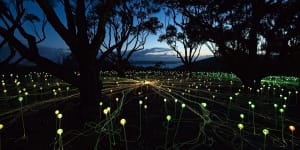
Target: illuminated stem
112 129
22 117
228 110
282 128
178 123
265 142
125 137
61 146
292 140
276 121
253 116
140 129
166 136
59 123
242 141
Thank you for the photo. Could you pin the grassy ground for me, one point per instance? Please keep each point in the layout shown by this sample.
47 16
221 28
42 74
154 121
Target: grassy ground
203 116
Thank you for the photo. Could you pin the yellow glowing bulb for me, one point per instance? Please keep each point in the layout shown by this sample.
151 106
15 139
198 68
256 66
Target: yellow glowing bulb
20 99
1 126
240 126
59 116
145 107
56 112
108 109
292 128
59 131
140 102
265 131
105 111
123 122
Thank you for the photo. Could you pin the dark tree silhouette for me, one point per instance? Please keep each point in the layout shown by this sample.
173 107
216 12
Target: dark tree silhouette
127 31
176 37
75 32
244 30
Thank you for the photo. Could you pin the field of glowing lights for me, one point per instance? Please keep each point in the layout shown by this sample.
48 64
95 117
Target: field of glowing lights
152 110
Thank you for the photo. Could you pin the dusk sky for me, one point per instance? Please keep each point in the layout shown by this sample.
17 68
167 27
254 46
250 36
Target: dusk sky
55 42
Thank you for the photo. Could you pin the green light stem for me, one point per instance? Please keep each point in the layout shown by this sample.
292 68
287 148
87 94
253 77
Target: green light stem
59 123
112 129
140 129
248 113
165 106
253 116
166 136
282 128
228 110
22 117
61 146
265 137
276 121
242 141
175 110
178 123
125 137
100 114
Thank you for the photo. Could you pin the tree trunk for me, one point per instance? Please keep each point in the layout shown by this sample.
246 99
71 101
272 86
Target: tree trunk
90 92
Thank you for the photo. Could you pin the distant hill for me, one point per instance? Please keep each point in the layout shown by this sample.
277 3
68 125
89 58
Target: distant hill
208 64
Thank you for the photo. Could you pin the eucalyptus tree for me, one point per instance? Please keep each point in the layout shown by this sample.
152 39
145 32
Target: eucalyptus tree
69 18
176 36
244 30
127 31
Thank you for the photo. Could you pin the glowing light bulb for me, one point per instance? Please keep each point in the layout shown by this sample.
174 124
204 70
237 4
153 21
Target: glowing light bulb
20 98
252 106
183 105
168 117
105 111
292 128
165 100
59 131
59 116
281 110
275 105
240 126
176 100
140 102
117 99
1 126
249 102
203 104
145 107
123 122
265 131
56 112
284 106
242 116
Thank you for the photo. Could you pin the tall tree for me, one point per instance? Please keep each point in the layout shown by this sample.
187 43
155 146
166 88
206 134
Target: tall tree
74 31
176 37
127 31
242 29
